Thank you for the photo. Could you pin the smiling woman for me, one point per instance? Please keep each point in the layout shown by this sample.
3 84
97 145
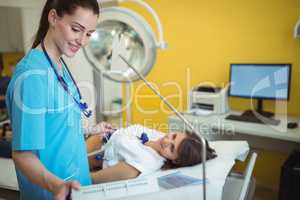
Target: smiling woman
126 156
48 144
68 30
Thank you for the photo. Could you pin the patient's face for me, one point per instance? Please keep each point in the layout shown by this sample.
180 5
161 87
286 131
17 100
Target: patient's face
169 145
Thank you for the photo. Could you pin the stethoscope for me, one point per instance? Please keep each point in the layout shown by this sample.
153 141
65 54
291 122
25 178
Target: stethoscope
83 106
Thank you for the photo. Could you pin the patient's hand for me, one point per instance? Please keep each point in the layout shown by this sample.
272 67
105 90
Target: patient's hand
103 127
100 129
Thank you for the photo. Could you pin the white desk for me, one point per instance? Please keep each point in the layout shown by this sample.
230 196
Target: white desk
217 127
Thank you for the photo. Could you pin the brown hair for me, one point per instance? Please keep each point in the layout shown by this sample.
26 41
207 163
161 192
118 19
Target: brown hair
62 7
190 152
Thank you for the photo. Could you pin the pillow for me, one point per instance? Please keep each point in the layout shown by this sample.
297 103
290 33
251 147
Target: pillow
232 149
219 167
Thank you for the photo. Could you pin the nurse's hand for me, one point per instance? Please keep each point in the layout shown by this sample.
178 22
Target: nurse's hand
64 190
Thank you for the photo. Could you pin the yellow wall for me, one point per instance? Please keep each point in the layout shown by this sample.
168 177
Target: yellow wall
9 61
204 38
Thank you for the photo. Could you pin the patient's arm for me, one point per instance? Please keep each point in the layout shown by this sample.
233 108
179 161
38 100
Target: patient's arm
120 171
94 143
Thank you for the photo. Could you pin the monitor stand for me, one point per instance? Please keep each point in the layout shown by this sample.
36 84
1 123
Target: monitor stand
258 111
254 113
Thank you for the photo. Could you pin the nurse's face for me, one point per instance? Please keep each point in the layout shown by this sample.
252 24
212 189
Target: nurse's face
169 145
71 32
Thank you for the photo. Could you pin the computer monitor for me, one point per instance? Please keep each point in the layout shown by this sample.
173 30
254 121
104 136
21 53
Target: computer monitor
260 81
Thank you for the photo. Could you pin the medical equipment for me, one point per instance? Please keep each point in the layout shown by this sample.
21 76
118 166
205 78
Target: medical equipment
118 189
83 106
260 81
144 138
219 186
181 117
122 31
297 29
100 154
208 100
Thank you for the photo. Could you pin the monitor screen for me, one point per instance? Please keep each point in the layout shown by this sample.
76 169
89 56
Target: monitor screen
260 81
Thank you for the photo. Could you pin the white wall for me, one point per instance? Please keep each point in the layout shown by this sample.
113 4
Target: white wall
30 22
84 75
11 39
22 3
19 21
29 15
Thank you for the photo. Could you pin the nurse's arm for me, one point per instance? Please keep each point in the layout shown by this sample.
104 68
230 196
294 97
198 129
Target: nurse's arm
34 170
120 171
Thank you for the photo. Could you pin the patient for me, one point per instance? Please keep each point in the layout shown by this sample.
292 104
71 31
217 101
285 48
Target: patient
137 150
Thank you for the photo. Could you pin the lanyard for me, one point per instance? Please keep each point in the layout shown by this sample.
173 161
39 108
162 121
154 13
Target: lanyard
83 106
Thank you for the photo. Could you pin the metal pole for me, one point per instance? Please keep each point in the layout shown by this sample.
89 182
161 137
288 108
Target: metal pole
99 83
128 104
181 117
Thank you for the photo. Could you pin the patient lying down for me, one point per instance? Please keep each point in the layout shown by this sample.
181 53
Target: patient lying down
137 150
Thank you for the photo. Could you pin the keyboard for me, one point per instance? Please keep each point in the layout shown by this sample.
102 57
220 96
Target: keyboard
251 119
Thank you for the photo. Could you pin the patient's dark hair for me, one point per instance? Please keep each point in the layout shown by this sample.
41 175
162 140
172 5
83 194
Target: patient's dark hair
62 7
190 152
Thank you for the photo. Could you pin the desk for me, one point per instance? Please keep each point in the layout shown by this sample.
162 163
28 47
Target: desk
216 127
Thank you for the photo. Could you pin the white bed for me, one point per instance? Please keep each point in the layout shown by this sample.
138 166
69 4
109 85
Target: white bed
217 171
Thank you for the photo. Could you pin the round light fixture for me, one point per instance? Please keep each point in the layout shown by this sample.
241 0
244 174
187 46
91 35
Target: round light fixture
122 31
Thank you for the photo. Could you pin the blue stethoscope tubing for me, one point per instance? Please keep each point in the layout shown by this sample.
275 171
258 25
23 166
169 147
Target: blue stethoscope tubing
83 106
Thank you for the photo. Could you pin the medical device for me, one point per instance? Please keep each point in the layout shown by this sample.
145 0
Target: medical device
208 100
181 117
260 82
297 29
106 136
117 189
83 106
122 31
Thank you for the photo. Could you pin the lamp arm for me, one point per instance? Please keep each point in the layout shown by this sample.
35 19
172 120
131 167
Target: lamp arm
297 29
180 116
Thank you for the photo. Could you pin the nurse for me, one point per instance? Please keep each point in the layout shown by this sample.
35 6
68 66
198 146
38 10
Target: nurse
44 104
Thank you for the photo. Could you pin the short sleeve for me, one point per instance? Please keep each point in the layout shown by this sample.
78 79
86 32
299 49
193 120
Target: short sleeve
28 106
139 156
137 130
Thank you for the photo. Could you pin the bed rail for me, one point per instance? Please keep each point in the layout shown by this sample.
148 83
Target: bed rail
247 176
241 186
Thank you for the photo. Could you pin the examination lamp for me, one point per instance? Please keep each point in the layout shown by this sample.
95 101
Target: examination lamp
122 31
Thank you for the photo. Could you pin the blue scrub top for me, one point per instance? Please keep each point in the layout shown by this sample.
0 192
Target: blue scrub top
46 120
